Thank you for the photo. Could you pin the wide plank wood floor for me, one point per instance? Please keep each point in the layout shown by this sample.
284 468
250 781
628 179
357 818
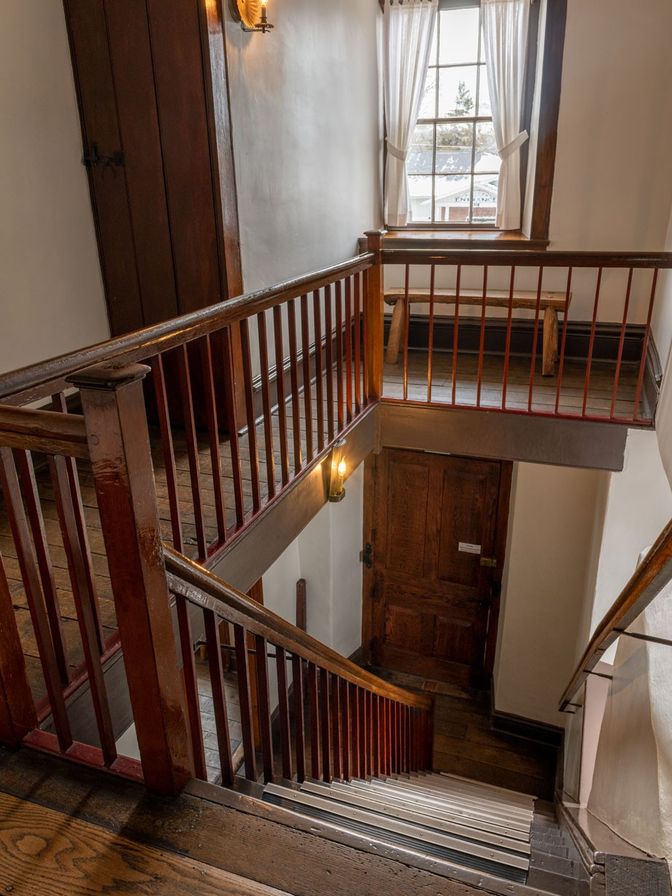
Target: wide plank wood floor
45 852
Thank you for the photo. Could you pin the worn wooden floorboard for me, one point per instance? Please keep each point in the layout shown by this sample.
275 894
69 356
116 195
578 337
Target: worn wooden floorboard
45 852
247 842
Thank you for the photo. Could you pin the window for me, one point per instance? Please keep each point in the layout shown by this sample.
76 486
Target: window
453 164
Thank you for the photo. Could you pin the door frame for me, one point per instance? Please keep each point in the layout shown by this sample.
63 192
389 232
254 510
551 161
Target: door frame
501 538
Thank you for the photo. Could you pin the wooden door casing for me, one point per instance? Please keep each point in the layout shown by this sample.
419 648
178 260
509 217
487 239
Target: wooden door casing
431 607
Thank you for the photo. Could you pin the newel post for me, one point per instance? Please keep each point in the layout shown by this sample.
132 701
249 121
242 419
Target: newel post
118 438
373 310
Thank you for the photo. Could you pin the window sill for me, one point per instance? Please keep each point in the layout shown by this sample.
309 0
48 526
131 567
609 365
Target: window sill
461 239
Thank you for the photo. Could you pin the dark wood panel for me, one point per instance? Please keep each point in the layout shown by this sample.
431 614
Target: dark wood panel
131 59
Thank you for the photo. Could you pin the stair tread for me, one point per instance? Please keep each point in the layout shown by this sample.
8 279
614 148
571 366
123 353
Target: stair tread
344 793
423 837
483 793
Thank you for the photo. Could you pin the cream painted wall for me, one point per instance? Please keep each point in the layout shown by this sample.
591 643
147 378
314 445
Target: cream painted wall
613 178
662 329
51 293
304 105
326 555
544 580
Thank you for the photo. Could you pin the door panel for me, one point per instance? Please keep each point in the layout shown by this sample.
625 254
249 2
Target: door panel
433 604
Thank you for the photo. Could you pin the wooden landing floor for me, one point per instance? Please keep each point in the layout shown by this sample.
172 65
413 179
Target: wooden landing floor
517 395
465 743
45 852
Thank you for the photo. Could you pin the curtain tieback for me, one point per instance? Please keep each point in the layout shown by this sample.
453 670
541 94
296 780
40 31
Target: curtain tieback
513 146
396 152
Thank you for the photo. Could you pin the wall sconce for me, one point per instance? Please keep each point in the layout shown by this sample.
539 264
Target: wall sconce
251 14
338 471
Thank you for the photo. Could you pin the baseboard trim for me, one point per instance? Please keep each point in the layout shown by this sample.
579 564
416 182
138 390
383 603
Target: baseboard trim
527 729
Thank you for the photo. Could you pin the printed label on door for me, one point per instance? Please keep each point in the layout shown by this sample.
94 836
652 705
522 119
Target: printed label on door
465 548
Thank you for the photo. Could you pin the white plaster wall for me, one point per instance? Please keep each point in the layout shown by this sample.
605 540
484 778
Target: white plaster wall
304 105
544 580
51 293
613 179
326 555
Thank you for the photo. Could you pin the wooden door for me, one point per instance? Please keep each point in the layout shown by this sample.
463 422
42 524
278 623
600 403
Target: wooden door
437 527
157 146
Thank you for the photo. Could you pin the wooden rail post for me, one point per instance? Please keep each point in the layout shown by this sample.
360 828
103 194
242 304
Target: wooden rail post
373 311
118 439
17 710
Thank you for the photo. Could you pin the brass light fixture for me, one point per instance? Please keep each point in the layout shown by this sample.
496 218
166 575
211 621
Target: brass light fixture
251 14
338 470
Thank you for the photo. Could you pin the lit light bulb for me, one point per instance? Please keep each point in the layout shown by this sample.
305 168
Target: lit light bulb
342 467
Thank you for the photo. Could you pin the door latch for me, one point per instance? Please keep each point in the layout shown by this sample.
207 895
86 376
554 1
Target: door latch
366 556
490 562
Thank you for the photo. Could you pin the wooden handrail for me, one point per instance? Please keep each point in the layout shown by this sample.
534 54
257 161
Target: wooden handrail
646 583
518 258
207 591
48 432
48 377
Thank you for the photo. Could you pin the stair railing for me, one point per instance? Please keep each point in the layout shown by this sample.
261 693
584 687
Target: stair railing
652 575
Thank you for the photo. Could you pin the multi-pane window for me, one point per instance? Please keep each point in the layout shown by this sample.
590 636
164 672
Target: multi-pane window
453 164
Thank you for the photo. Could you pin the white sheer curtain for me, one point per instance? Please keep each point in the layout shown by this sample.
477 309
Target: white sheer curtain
505 43
407 37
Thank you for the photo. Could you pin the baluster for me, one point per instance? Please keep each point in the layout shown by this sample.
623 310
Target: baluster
376 736
339 353
357 313
27 557
364 734
645 347
535 339
456 331
33 510
319 385
17 710
336 726
283 711
347 730
266 402
205 349
325 718
294 379
591 344
564 341
250 414
366 304
73 527
280 389
507 348
192 448
481 345
356 723
314 705
218 695
231 417
245 698
329 362
264 707
299 717
168 449
430 353
407 328
348 349
191 687
307 378
621 343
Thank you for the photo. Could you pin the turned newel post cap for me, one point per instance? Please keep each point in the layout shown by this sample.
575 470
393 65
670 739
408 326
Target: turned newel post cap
375 239
108 377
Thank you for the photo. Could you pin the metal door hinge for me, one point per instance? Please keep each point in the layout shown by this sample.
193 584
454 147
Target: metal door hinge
92 157
366 556
490 562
